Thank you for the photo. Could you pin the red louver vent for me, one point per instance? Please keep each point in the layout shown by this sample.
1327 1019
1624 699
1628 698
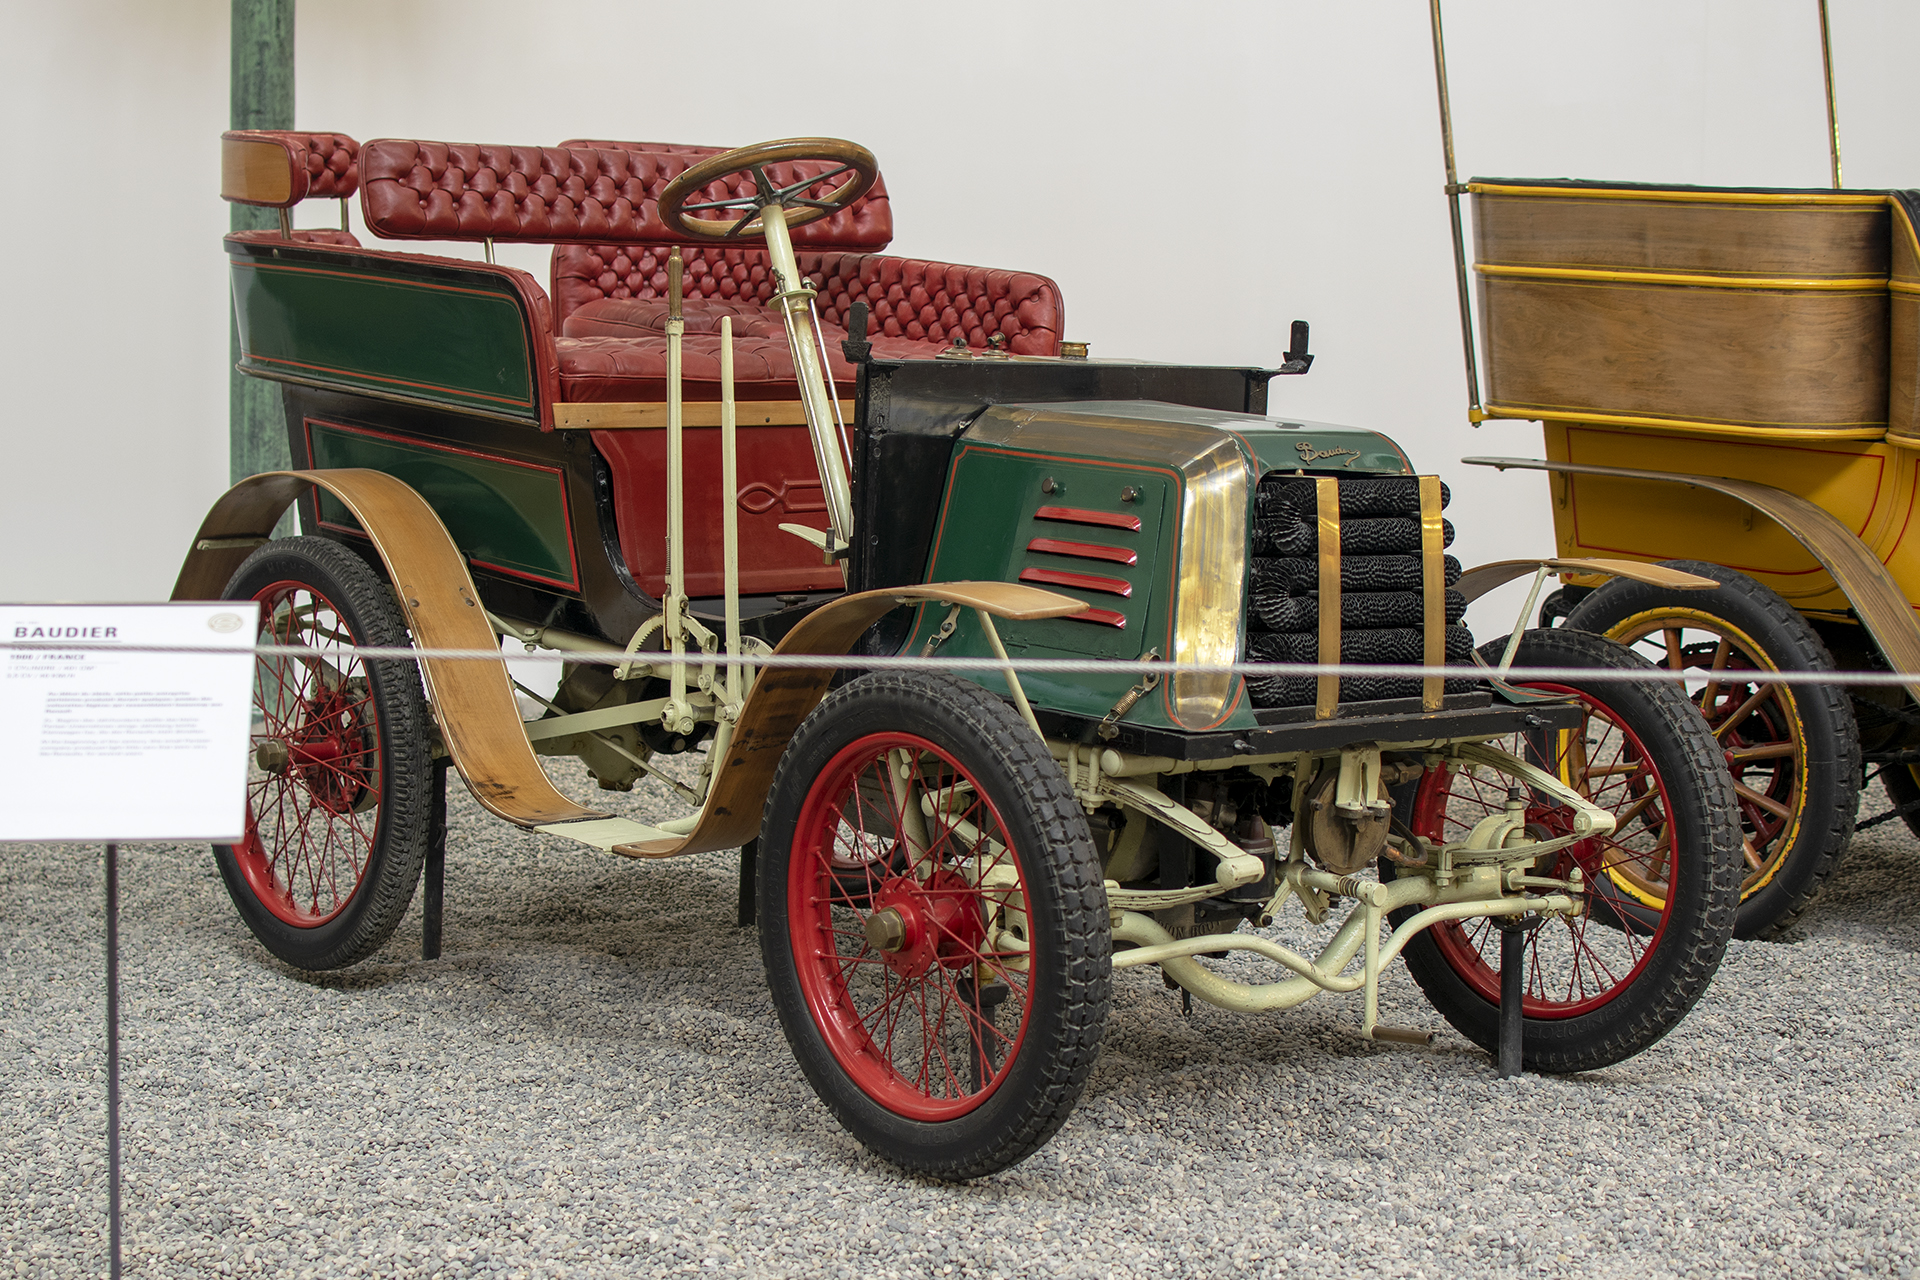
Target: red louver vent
1080 515
1078 581
1083 550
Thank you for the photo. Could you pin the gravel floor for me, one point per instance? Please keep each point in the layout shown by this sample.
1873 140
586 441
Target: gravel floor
592 1082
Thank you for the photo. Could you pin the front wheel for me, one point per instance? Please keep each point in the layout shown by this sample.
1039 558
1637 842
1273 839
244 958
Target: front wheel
337 789
934 924
1662 890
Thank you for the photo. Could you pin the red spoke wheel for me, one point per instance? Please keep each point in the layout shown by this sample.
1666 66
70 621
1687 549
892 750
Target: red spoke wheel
934 923
337 802
1792 750
1662 888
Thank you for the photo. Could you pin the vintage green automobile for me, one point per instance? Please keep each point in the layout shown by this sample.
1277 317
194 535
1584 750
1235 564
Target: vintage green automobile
735 436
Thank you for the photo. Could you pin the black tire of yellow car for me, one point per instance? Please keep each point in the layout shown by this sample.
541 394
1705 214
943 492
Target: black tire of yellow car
1060 1015
364 855
1827 797
1704 882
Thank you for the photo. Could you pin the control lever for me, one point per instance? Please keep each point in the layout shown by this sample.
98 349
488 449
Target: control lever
855 345
1297 358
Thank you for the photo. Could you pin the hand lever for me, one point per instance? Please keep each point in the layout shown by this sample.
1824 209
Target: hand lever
855 345
1296 357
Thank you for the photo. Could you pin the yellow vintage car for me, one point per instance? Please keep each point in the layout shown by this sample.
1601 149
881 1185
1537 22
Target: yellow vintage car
1726 379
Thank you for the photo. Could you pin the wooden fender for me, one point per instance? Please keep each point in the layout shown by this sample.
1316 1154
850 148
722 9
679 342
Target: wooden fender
784 696
472 701
1871 590
1483 578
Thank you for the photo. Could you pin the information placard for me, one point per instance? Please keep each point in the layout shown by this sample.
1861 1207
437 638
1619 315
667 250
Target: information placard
117 742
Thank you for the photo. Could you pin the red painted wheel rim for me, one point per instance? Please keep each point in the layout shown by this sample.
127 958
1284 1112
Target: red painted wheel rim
902 1023
313 785
1573 966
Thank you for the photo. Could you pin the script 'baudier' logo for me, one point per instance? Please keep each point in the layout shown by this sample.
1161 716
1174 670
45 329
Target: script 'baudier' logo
224 623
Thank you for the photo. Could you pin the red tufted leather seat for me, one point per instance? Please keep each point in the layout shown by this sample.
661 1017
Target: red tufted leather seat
619 292
464 191
597 286
598 202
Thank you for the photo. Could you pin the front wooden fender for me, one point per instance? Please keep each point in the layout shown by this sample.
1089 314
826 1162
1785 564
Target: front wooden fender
1483 578
472 701
784 696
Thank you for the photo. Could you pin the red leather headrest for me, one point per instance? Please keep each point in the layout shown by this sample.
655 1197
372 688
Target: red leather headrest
600 194
278 168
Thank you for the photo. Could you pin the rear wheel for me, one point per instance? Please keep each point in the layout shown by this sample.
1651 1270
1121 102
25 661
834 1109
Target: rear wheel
933 921
337 789
1662 888
1792 750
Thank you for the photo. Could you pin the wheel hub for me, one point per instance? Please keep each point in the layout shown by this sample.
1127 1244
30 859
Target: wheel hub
325 751
917 925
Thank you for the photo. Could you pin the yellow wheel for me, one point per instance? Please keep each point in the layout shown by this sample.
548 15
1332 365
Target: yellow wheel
1793 749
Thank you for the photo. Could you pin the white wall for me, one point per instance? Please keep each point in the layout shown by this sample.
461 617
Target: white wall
1194 176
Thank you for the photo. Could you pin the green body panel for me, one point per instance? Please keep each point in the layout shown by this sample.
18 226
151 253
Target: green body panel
362 328
985 527
987 521
506 515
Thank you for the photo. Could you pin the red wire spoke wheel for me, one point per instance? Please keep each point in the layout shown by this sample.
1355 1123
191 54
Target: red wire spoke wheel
1793 750
934 923
1662 889
911 951
337 782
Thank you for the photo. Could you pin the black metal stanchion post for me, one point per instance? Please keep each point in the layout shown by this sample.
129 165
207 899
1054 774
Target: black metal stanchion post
1513 985
434 891
113 1061
749 874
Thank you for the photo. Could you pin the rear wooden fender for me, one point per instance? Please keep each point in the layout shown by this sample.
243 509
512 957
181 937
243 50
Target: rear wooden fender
472 701
1877 599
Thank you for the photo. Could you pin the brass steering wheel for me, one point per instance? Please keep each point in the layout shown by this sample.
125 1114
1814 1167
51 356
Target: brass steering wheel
839 155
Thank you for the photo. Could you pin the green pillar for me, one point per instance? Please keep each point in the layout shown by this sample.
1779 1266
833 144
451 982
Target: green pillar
262 98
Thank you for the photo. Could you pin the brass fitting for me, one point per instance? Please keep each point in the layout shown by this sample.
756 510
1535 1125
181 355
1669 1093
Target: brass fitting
886 930
272 756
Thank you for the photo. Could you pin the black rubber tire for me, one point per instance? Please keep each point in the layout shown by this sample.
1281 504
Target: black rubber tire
380 773
1819 786
1704 883
1069 983
1560 603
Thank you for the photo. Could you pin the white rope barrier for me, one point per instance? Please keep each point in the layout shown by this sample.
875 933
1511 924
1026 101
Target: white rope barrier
1070 666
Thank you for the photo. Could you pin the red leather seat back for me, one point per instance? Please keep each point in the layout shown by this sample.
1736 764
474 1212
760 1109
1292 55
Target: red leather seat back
570 194
909 299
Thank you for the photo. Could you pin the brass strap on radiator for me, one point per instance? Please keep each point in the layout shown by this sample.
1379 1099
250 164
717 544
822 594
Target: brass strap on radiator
1433 583
1327 687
